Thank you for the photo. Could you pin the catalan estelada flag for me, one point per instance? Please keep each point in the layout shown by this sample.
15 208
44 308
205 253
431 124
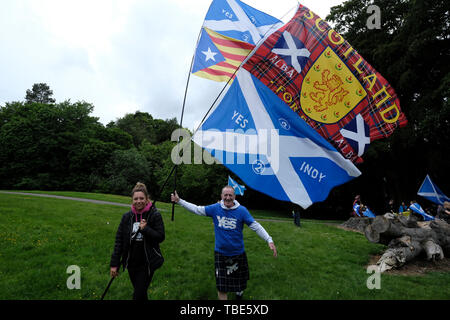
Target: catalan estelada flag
217 57
323 79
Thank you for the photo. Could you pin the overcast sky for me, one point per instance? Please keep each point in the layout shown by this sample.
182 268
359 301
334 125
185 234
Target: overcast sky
121 56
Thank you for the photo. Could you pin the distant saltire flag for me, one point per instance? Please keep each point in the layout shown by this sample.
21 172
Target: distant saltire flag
366 212
418 209
238 188
268 147
430 191
230 31
322 78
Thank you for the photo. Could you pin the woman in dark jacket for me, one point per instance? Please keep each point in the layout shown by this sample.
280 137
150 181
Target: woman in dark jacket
136 248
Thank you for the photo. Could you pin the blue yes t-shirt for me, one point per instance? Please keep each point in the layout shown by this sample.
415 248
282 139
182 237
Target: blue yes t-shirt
228 226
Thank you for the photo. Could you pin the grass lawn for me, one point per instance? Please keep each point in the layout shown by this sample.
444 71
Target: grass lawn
41 237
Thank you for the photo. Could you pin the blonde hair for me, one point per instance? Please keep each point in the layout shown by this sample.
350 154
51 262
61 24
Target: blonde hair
140 187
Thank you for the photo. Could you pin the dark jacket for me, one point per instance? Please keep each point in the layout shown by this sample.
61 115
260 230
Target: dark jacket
153 235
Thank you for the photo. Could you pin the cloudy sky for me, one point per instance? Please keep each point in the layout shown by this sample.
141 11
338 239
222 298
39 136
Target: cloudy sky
119 55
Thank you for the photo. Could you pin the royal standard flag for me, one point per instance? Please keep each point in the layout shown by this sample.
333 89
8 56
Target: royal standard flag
327 83
217 57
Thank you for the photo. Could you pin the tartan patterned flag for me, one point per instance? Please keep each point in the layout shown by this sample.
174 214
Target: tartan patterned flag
217 56
230 32
318 74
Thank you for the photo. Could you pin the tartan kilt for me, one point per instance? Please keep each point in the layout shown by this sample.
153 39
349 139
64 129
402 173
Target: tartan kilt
232 272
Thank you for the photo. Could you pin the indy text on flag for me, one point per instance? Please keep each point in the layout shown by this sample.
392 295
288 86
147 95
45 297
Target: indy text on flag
322 78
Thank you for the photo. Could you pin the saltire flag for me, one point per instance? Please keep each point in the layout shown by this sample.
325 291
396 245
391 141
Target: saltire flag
430 191
356 209
360 212
268 147
327 83
237 20
229 33
368 213
418 209
238 188
217 57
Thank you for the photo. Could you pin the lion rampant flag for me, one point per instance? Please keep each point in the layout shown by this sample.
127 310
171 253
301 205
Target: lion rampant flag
321 77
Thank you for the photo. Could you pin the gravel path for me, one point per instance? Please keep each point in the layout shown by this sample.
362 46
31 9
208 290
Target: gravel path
101 202
67 198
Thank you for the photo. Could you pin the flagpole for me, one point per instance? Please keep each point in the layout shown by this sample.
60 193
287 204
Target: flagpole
181 121
217 98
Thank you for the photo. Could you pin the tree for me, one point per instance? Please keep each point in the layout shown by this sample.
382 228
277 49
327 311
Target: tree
138 125
124 169
40 93
141 126
411 50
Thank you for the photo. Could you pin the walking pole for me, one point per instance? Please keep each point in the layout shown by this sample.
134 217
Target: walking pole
107 288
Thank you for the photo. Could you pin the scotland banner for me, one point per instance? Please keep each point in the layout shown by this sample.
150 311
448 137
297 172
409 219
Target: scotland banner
430 191
269 147
328 84
238 188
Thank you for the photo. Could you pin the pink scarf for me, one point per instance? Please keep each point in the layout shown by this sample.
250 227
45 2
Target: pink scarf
136 212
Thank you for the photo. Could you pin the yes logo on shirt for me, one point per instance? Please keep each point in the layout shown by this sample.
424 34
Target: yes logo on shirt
226 223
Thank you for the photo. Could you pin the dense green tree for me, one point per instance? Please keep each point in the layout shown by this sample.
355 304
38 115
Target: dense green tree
59 146
141 126
124 169
162 129
411 50
138 125
40 93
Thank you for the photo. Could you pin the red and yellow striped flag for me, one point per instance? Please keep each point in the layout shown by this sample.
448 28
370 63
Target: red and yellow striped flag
217 56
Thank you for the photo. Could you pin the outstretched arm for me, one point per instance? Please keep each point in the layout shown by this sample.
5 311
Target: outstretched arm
199 210
262 233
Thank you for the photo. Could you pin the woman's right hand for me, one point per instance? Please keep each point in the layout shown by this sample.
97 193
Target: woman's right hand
114 272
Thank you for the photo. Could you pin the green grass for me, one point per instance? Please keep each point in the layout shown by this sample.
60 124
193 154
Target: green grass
41 237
